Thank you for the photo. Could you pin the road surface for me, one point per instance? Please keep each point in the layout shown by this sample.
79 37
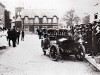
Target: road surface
28 59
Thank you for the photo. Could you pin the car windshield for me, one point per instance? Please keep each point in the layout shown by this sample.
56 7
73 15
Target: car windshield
63 32
52 32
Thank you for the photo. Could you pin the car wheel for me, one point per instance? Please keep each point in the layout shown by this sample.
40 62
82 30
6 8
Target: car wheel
80 52
54 53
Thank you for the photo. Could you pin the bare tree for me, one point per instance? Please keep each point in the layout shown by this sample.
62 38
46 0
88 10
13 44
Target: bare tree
71 18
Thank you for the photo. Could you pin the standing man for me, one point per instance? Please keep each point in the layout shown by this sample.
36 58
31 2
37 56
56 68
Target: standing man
89 41
14 36
22 37
9 36
94 40
18 35
98 39
37 31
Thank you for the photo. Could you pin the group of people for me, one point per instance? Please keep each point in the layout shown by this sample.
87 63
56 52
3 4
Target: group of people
93 39
14 35
90 33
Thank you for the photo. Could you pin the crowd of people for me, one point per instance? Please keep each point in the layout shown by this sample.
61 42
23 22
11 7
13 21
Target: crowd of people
91 36
12 36
90 33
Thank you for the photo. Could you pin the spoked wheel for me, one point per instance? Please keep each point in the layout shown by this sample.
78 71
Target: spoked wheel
54 53
80 53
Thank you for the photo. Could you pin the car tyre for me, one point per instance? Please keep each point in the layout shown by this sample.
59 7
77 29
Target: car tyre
54 53
80 52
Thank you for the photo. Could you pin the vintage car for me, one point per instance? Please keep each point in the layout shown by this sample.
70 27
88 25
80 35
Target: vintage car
61 43
48 37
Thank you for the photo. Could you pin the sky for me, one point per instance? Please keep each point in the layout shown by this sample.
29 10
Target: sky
80 6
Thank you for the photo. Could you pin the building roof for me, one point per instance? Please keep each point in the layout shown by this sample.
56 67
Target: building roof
31 13
2 5
18 18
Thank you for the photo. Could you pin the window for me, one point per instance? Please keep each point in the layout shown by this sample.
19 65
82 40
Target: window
31 21
36 20
26 28
26 20
44 26
54 19
55 27
45 20
49 20
96 16
18 13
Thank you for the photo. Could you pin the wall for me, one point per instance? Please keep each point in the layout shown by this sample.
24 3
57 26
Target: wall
95 9
2 16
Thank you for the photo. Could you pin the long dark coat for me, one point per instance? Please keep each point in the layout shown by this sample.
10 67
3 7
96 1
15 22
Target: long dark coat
13 34
94 42
23 34
9 35
98 42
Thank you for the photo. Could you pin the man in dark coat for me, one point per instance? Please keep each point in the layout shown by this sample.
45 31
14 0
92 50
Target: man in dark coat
14 36
88 39
18 35
98 40
9 36
39 33
94 41
23 34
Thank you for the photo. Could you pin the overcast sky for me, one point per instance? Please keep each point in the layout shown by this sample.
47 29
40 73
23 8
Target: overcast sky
81 6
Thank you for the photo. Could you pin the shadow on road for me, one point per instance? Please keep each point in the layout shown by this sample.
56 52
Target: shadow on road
3 50
70 58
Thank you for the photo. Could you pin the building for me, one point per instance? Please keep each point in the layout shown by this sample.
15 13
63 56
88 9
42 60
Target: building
95 13
31 19
7 19
2 15
13 22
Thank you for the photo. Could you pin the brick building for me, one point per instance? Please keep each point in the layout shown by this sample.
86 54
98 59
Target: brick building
31 19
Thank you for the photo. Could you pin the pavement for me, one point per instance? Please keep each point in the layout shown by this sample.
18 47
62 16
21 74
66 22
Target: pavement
93 62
